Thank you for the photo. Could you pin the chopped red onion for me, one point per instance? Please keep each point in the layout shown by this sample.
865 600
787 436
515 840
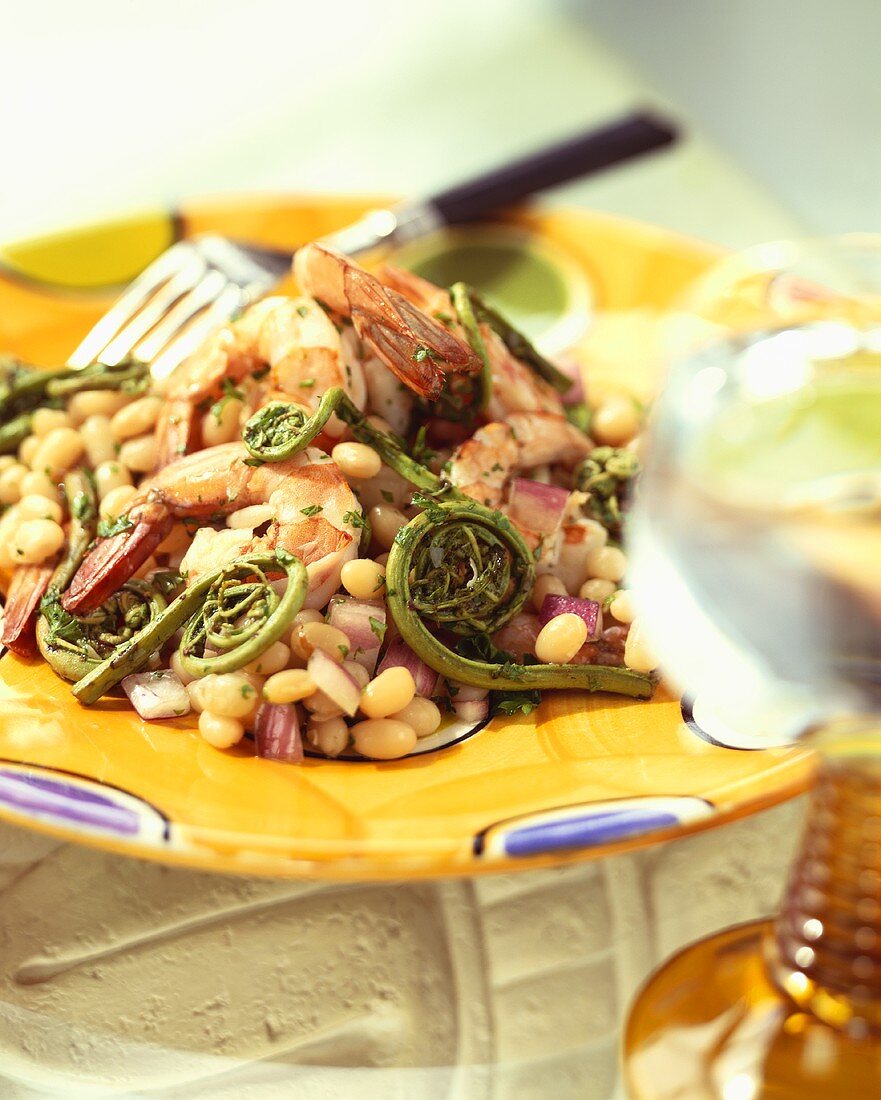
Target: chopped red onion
277 732
471 710
400 655
589 610
353 617
334 681
537 507
570 366
466 693
157 694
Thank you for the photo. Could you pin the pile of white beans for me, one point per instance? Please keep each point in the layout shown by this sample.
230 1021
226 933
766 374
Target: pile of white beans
112 431
391 716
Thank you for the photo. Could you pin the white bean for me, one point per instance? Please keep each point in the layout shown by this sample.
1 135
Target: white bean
386 521
621 606
28 448
136 419
388 693
88 403
59 449
110 475
384 738
615 421
230 694
98 440
273 659
288 686
356 460
35 482
220 730
140 453
596 589
559 640
35 506
423 715
11 483
546 585
221 423
358 673
37 539
364 579
637 652
607 562
44 420
178 669
330 737
116 501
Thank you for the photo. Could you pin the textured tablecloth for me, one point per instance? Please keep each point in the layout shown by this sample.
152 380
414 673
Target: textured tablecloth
122 978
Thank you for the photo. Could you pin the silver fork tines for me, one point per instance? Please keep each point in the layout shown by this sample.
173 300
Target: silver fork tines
174 304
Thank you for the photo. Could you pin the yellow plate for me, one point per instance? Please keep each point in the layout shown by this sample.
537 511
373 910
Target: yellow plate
582 776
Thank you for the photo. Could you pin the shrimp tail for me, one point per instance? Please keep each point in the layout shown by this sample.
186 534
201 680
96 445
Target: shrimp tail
416 349
116 558
26 589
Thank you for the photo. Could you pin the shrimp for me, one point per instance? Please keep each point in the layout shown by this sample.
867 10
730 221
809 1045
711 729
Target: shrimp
314 514
483 464
26 589
515 386
292 337
418 350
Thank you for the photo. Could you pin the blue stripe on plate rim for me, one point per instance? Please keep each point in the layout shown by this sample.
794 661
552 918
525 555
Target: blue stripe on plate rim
588 825
80 803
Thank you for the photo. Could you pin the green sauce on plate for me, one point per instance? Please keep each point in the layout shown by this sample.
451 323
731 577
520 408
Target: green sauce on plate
519 282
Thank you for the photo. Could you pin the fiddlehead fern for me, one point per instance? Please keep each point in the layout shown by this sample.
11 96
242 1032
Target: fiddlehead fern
231 605
465 568
279 431
241 614
75 645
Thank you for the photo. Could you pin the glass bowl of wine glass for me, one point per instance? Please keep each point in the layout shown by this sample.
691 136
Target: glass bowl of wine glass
756 549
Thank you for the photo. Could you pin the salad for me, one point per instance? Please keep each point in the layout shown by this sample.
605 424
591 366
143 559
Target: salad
349 516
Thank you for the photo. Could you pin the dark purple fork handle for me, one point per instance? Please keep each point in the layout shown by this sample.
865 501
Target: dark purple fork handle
577 156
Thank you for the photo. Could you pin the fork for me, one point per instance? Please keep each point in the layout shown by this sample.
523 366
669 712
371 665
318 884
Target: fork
198 284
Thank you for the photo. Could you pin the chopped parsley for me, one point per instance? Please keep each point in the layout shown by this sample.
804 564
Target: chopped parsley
307 383
512 702
378 627
387 496
111 526
355 519
303 311
230 392
311 509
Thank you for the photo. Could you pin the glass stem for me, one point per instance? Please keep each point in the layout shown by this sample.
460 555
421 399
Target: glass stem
825 949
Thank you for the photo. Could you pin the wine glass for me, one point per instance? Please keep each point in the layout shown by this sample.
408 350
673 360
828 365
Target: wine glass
756 551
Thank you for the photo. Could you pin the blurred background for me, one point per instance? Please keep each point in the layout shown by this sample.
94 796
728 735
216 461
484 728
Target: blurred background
108 107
